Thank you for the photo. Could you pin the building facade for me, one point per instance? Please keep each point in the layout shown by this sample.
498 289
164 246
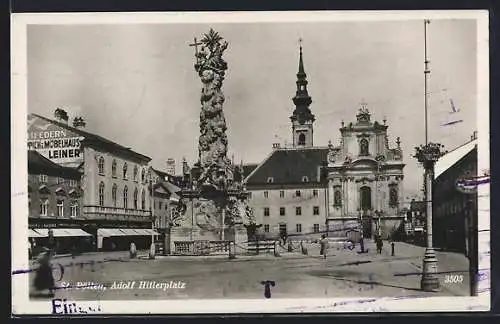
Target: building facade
452 208
114 185
289 189
55 200
365 178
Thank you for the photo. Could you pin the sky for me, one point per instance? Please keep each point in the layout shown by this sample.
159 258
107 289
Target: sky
135 84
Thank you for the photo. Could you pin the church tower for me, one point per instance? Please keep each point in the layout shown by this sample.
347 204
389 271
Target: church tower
302 118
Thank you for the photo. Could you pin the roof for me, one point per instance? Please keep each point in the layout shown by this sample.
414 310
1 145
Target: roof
452 157
248 168
289 166
93 138
38 164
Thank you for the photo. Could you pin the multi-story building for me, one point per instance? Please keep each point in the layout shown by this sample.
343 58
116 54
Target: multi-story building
114 185
54 203
452 208
288 189
365 178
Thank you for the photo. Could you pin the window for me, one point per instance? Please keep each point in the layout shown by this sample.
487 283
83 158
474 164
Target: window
366 198
297 193
125 171
136 198
298 211
73 183
160 205
316 228
42 178
282 228
100 165
363 147
143 175
113 194
125 197
305 179
266 194
74 208
393 196
266 211
282 211
113 169
44 207
60 180
60 208
143 200
270 180
315 193
316 210
302 139
266 228
101 194
282 193
136 173
337 198
298 228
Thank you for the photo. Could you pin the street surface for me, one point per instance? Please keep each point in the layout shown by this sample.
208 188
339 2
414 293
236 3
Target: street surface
344 273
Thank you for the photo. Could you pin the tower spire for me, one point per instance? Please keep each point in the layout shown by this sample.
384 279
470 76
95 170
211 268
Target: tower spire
302 117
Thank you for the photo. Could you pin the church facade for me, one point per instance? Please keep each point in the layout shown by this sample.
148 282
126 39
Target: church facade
365 178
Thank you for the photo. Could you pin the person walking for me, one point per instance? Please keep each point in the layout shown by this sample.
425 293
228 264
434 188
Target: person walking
323 245
380 244
44 279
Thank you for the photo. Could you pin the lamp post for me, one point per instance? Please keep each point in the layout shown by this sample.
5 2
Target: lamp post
428 155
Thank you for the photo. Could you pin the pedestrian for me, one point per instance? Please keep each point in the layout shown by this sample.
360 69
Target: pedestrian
133 250
30 250
323 245
392 248
44 279
379 244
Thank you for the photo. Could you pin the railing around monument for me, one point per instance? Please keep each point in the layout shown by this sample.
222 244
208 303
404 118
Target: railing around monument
201 247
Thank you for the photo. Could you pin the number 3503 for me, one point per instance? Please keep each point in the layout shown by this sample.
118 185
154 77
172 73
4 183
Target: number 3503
453 279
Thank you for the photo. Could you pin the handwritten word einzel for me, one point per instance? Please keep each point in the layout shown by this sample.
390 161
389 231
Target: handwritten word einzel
63 306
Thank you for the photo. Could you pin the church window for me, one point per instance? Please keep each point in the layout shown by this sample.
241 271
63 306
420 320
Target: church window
305 179
393 196
297 193
101 194
266 194
270 180
266 211
136 172
125 171
366 198
143 175
143 200
337 198
363 147
302 139
282 211
125 197
316 210
113 169
136 195
282 193
113 194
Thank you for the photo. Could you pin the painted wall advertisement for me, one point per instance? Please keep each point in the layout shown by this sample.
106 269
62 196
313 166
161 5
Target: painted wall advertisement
56 143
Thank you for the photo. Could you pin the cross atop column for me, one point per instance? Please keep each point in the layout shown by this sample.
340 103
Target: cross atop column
195 45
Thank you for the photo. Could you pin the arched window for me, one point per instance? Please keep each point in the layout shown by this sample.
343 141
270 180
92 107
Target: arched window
125 197
143 175
143 200
113 194
125 170
363 147
366 198
136 172
393 196
101 194
302 139
136 194
113 169
337 198
100 165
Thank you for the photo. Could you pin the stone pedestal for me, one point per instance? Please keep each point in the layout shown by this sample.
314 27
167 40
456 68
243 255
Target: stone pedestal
430 280
240 239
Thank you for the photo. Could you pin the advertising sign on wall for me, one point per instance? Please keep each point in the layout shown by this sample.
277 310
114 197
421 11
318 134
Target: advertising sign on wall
56 143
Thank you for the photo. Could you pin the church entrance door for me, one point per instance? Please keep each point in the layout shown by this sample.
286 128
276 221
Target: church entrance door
365 194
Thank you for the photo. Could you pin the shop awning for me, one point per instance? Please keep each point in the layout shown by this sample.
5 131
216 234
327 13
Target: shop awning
63 232
108 232
151 231
33 233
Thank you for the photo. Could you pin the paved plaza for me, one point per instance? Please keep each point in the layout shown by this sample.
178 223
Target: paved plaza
344 273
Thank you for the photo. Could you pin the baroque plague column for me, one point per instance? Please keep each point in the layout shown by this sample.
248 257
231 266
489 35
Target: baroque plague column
365 179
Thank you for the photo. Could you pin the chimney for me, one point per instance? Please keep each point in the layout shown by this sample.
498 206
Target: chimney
171 166
61 116
79 122
276 146
474 136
